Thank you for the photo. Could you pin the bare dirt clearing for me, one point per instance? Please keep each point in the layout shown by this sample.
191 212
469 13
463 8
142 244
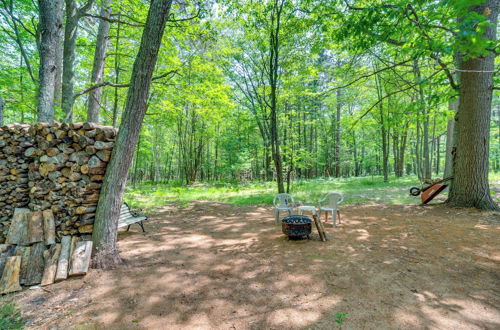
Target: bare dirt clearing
217 266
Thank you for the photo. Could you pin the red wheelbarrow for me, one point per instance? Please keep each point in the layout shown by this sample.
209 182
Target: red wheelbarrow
431 190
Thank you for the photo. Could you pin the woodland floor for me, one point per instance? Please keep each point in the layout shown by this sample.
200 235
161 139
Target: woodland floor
216 266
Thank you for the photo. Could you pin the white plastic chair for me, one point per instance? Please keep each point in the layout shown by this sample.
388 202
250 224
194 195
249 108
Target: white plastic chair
329 204
283 202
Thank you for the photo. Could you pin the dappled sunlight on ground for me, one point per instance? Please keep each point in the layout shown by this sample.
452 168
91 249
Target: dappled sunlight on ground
216 266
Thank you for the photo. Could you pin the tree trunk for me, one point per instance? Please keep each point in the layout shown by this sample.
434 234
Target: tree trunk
448 163
427 173
273 82
99 60
2 105
383 132
471 187
117 73
59 55
337 135
108 210
73 14
49 32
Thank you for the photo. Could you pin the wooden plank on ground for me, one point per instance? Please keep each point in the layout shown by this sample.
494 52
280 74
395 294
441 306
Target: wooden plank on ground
63 262
6 251
49 227
18 231
36 264
80 259
35 227
24 253
51 256
320 228
10 276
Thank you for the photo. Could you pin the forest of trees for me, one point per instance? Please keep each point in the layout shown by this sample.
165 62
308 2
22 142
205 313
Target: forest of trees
271 90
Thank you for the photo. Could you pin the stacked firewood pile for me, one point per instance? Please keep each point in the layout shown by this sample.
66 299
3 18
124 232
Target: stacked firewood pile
14 140
57 167
67 166
32 255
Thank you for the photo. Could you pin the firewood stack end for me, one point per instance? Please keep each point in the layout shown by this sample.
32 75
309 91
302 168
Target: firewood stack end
50 180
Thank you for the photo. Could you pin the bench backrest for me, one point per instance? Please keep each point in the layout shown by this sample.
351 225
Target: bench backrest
127 217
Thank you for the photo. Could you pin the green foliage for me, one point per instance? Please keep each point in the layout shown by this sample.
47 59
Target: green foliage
339 318
10 317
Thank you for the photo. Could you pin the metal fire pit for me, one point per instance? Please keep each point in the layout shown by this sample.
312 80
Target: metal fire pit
296 226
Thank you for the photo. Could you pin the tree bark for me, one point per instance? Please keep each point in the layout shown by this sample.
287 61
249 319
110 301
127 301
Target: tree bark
49 32
99 60
59 55
471 187
273 82
2 105
73 15
337 134
453 105
108 210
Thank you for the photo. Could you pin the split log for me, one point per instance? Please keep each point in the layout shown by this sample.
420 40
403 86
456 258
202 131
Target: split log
10 276
49 227
35 227
18 232
320 228
51 257
80 259
63 262
6 252
24 253
36 264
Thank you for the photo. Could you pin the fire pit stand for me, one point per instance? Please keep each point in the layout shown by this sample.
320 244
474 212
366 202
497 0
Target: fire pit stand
296 226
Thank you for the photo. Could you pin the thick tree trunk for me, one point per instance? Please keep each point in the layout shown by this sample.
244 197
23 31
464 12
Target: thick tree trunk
49 32
99 60
108 210
470 187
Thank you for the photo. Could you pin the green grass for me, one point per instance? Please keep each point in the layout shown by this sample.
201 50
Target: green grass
10 317
356 191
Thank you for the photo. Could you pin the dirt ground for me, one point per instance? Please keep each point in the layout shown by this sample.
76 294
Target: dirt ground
217 266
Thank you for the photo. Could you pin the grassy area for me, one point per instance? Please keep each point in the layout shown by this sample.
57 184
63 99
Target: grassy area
356 190
10 317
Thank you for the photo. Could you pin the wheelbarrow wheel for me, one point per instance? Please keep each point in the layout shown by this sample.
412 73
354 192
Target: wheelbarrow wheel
415 191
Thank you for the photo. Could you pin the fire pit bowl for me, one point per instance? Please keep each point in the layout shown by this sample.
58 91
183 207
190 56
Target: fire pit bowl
296 226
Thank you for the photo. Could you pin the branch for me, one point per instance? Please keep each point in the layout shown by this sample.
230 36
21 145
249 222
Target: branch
108 83
367 76
370 8
113 20
389 95
85 8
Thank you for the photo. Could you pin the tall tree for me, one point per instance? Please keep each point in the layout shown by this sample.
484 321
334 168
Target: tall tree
273 73
94 101
108 210
471 187
73 15
49 26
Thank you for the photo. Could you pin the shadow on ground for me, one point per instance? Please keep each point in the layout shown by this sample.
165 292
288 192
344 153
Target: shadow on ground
217 266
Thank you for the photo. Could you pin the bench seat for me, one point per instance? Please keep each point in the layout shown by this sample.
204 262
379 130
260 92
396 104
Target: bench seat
128 218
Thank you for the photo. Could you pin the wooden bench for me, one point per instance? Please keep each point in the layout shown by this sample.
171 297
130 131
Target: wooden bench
128 217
